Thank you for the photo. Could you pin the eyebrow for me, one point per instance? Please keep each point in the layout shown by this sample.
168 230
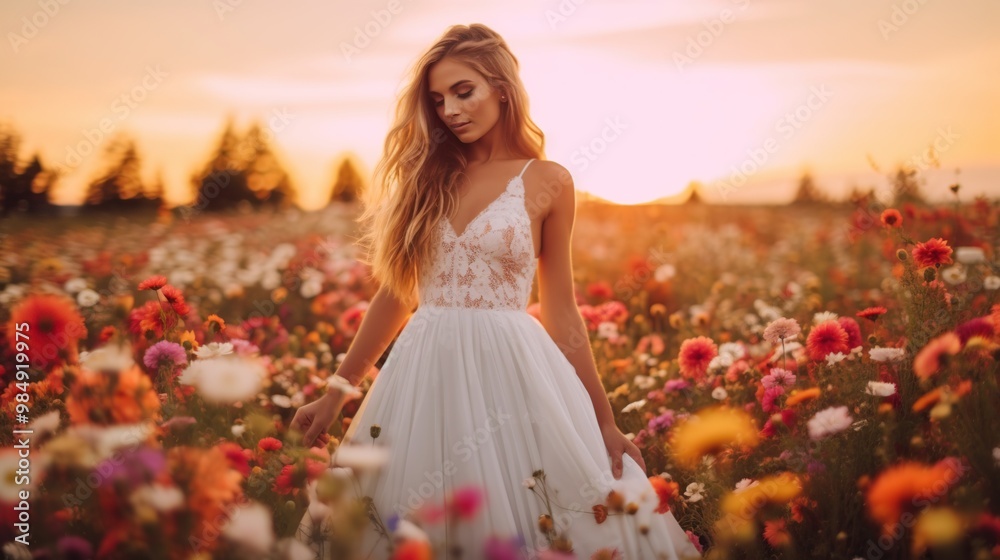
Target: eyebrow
454 85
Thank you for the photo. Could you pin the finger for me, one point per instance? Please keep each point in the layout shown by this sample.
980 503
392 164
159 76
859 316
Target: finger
296 423
637 455
312 433
617 465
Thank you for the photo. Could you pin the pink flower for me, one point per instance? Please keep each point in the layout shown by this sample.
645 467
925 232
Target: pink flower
778 378
825 338
695 356
465 501
781 329
770 395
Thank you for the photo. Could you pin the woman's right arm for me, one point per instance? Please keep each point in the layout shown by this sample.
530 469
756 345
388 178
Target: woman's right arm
380 324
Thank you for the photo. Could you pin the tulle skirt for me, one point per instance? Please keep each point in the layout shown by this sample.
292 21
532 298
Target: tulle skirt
485 399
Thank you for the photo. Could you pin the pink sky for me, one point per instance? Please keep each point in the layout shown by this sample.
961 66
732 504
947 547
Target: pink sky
637 98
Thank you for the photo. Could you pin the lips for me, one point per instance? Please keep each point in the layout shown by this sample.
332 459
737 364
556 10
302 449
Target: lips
459 126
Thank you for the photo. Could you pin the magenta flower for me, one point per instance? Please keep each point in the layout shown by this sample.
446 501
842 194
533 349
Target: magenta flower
165 353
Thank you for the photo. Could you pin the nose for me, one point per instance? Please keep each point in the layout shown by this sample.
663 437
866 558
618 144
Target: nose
450 107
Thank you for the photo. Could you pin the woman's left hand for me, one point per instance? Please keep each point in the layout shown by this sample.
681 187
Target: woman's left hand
618 444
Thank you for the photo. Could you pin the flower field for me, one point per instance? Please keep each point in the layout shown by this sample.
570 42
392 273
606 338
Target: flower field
816 382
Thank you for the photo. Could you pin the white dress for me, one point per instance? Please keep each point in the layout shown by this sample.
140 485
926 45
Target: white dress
475 392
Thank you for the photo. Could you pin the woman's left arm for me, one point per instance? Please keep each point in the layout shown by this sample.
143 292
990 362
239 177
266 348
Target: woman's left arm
559 313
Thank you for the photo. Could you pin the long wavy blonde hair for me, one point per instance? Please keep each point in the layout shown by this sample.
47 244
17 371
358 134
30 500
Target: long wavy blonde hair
415 181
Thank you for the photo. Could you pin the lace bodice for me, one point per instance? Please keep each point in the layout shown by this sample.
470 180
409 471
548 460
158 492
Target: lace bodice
491 265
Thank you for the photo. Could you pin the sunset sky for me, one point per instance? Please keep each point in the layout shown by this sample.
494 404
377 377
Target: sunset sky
683 90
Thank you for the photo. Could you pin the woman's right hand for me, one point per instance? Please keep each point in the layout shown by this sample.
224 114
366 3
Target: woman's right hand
315 418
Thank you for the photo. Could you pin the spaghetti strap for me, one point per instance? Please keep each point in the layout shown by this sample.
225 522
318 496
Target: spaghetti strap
525 167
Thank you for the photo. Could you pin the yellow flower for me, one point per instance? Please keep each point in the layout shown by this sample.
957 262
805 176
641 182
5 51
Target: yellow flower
936 527
711 430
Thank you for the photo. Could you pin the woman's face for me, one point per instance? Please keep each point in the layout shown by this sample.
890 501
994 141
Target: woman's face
464 101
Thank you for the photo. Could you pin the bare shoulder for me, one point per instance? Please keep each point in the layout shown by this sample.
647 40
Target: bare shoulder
549 186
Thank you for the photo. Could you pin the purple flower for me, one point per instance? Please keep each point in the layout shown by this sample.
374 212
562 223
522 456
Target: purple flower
662 422
675 385
165 351
496 548
134 467
73 547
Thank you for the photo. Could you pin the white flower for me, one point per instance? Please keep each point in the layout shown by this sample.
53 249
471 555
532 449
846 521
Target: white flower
694 491
665 272
835 358
719 393
407 530
607 329
250 525
75 285
225 380
284 401
969 255
238 430
634 405
160 498
528 482
824 316
878 354
107 358
214 350
48 422
829 421
311 289
87 298
991 282
953 274
880 389
106 440
745 484
360 457
643 382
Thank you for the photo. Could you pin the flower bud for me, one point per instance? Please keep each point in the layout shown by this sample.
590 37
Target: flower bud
929 274
901 255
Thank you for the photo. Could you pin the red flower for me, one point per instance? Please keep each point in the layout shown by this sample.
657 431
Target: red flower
872 313
933 252
235 456
666 491
978 327
825 338
176 300
695 355
892 218
601 513
153 283
853 331
269 444
53 327
600 290
934 356
465 501
284 483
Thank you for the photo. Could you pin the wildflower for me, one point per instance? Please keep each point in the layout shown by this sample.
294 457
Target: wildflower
711 430
87 298
835 358
666 492
829 421
412 549
853 331
991 282
778 377
250 525
906 484
936 527
871 313
719 393
780 330
880 389
980 327
935 354
269 444
466 501
528 482
768 399
694 491
824 316
826 337
55 326
745 484
125 397
634 405
227 379
777 490
776 534
158 497
892 218
953 275
214 350
879 354
216 322
165 353
175 299
695 356
153 283
970 255
802 396
933 252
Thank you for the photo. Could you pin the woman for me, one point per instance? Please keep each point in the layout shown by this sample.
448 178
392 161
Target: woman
476 391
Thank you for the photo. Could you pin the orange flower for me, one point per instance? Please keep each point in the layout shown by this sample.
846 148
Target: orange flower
52 326
934 356
153 283
600 513
412 550
710 431
209 483
695 355
802 396
775 533
909 484
218 322
666 491
892 218
930 398
125 397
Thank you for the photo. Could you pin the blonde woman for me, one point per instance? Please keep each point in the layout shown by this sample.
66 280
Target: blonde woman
476 391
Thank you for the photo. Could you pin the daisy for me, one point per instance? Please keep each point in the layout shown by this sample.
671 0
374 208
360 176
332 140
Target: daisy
828 422
824 316
695 491
745 484
880 389
634 405
835 358
879 354
214 350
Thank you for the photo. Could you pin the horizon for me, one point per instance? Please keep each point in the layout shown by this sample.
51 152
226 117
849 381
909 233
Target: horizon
771 87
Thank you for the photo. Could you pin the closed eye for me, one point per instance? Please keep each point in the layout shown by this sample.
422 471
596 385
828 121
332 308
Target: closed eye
465 95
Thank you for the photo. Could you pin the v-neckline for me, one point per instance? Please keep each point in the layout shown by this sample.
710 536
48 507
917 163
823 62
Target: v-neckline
481 212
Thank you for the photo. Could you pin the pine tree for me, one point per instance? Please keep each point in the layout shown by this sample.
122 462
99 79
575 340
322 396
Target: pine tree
349 183
808 193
